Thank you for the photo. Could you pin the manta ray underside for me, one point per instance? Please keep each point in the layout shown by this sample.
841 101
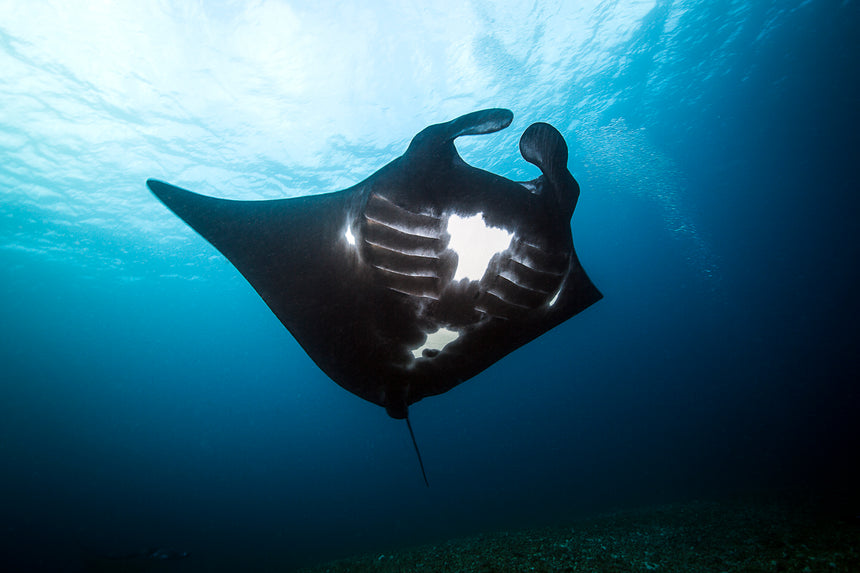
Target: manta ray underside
419 277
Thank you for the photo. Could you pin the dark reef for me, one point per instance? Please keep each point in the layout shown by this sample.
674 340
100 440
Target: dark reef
750 535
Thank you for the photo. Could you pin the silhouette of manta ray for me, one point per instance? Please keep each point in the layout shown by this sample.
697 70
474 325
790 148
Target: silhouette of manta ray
419 277
138 561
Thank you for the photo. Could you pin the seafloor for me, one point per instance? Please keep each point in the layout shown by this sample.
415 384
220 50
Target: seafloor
749 535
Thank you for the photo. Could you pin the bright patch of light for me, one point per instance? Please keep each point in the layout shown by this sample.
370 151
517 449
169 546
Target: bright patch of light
436 341
325 89
554 298
350 238
475 244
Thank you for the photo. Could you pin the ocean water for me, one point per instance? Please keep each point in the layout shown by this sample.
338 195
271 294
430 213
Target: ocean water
149 398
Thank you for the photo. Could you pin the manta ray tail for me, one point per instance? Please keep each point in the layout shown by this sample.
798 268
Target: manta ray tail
417 451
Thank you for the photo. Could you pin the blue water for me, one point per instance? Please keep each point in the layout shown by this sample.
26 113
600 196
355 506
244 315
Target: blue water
149 398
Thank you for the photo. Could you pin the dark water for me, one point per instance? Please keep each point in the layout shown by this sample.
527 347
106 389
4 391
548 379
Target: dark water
148 398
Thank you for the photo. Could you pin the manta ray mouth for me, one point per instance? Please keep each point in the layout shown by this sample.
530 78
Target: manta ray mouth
534 186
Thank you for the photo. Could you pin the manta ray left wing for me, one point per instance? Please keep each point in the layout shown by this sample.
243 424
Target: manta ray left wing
419 277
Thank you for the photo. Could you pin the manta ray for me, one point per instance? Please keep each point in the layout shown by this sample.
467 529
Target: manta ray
422 275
